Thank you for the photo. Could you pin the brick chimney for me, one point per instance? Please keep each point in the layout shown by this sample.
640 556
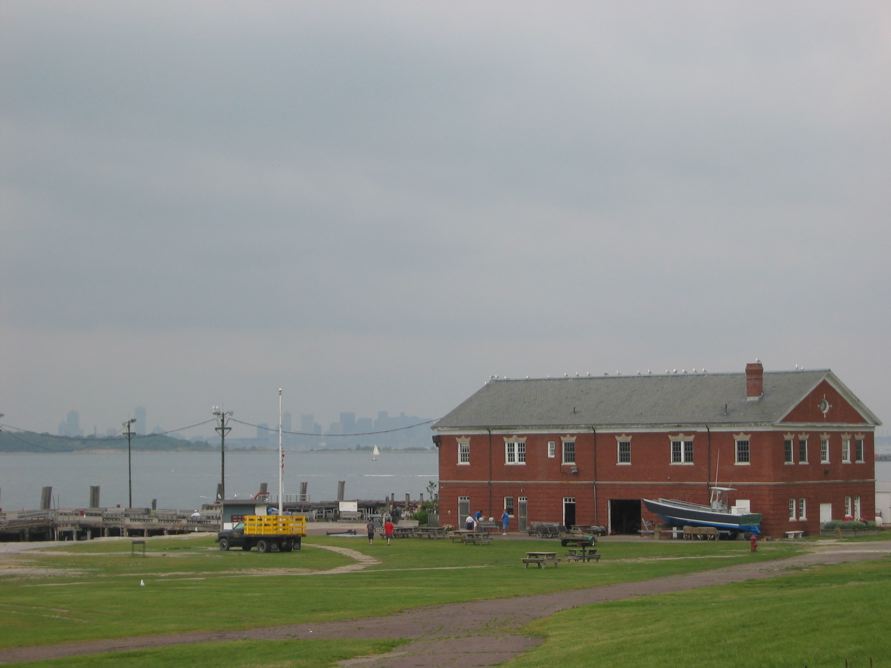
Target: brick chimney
754 380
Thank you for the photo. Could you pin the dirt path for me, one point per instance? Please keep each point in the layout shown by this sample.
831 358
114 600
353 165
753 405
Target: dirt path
470 634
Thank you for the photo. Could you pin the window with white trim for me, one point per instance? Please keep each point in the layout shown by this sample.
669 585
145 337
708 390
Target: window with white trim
848 507
509 504
846 449
788 450
857 508
464 452
824 449
791 509
515 452
859 450
802 509
568 452
623 452
552 449
743 449
802 448
682 450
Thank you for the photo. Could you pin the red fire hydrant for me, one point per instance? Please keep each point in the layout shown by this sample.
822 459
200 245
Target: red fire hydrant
753 541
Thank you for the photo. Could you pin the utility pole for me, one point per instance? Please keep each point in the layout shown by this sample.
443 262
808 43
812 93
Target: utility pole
128 424
281 455
222 429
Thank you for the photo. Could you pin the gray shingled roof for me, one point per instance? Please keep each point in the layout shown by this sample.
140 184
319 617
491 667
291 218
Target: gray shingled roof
673 399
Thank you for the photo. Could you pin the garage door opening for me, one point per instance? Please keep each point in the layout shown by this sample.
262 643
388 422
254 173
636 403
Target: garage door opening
624 516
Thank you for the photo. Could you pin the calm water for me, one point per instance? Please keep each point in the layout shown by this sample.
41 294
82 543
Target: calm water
188 479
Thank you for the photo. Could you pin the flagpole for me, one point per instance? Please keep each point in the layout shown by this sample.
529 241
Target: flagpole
281 455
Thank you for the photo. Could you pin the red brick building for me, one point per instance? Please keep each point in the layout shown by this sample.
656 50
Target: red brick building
797 446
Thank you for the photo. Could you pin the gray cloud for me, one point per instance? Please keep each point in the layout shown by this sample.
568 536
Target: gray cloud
381 206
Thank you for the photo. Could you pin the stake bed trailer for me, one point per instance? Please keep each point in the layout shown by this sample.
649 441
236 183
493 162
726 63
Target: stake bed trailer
267 532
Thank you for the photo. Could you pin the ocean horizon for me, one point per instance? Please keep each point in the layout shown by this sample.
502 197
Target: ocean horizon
184 479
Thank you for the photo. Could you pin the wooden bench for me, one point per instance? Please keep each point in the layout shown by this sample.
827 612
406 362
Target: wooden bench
540 559
794 534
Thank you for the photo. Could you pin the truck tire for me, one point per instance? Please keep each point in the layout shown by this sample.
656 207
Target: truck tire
285 546
224 544
296 545
262 546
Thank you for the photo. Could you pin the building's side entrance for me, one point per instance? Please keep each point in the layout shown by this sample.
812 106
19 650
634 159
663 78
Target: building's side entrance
463 509
521 514
624 516
825 513
569 511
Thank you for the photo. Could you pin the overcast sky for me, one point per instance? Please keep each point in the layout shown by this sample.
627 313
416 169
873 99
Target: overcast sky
379 205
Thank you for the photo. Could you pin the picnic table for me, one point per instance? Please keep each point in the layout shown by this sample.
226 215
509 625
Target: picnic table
469 537
578 540
583 553
540 559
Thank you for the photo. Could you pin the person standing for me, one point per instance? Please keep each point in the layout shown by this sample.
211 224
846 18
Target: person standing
388 530
505 522
369 527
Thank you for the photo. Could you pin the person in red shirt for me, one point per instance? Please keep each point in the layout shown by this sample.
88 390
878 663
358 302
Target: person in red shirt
388 530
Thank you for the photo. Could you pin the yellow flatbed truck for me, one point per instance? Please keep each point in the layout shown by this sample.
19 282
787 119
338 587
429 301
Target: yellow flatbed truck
268 533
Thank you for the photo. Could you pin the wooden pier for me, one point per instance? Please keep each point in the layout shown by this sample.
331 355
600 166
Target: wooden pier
83 524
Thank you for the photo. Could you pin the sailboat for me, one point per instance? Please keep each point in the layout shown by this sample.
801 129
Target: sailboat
375 453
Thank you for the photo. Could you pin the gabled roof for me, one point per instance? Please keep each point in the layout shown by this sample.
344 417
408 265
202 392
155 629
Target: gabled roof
641 401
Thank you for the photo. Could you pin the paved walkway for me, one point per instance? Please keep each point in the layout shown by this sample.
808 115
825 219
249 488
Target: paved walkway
470 634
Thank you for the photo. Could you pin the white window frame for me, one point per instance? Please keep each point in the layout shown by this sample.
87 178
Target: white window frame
802 448
849 508
743 444
859 448
788 449
623 441
515 451
684 449
846 449
802 508
463 452
792 508
509 505
566 451
857 508
824 449
552 449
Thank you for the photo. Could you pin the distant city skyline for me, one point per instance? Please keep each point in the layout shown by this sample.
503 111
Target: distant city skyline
309 433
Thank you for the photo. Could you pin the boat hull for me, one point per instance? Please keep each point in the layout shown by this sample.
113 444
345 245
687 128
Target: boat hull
682 513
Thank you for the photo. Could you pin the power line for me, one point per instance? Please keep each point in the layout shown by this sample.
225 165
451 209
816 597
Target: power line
241 422
171 431
33 445
328 435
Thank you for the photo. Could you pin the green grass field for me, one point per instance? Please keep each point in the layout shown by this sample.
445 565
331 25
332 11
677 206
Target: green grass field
91 590
828 616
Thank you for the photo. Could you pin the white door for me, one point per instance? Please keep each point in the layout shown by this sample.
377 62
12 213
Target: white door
825 513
